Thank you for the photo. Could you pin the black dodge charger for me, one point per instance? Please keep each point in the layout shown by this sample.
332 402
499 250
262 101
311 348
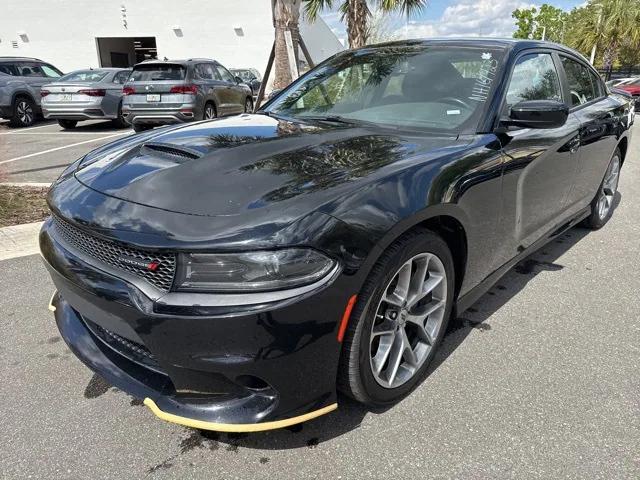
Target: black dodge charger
235 274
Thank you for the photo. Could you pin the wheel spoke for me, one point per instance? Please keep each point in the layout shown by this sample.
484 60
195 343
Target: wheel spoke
397 351
399 295
417 280
384 350
408 353
386 327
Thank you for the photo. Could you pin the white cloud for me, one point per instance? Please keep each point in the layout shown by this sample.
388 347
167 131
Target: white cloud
471 18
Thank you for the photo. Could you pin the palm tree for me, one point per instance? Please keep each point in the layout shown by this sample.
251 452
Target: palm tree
357 14
609 25
286 14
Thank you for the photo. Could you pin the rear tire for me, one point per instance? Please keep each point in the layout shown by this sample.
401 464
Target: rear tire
24 112
141 128
602 205
365 372
209 112
68 124
120 121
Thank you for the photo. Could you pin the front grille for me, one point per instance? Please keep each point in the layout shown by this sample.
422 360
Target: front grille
116 254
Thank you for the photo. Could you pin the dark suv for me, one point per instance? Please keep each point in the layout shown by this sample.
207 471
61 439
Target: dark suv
161 92
20 81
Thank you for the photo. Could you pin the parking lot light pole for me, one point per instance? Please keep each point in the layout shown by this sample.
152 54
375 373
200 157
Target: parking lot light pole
593 50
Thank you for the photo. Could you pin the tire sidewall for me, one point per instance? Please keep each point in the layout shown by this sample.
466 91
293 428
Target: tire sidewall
377 394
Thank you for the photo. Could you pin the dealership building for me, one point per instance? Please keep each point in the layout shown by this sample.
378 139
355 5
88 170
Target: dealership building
73 34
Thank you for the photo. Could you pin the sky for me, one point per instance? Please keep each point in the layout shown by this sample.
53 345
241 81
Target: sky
444 18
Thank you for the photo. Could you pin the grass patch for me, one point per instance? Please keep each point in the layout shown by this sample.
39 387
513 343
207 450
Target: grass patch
22 205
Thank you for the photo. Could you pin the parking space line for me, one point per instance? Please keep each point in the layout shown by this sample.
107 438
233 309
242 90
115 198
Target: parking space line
62 148
32 128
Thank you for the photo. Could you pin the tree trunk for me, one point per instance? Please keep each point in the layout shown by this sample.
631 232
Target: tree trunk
357 16
286 17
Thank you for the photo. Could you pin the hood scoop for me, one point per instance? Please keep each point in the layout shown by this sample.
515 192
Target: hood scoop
170 150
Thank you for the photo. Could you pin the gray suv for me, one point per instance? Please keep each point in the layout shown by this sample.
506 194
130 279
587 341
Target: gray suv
20 81
174 91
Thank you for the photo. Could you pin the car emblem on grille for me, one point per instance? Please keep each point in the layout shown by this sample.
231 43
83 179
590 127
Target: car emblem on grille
63 90
142 264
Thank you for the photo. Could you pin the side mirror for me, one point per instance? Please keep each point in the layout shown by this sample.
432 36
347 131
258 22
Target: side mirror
239 80
537 114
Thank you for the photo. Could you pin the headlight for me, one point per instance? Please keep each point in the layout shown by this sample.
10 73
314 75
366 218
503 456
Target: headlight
251 271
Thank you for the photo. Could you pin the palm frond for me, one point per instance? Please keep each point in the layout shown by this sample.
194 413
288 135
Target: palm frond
312 8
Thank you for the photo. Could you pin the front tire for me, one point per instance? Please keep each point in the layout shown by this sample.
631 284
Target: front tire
68 124
602 205
24 112
399 320
248 105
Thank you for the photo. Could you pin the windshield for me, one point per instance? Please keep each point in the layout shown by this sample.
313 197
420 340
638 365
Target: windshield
84 76
157 72
435 88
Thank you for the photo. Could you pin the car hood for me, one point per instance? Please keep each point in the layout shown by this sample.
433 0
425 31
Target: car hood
248 163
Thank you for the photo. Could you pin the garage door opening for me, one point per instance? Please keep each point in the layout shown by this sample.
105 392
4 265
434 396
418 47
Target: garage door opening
125 51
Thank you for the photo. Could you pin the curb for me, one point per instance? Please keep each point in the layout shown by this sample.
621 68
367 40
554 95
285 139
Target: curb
25 184
19 240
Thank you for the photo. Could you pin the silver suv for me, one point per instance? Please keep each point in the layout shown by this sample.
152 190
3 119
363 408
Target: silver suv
20 81
175 91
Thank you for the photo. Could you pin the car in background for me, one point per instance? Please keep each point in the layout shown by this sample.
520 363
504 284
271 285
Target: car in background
20 81
91 94
161 92
619 81
632 88
250 76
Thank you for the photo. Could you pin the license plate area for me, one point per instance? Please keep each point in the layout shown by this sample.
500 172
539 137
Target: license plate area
64 97
153 97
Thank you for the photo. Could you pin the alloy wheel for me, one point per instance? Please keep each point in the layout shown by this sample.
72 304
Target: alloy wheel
25 112
609 188
209 112
408 320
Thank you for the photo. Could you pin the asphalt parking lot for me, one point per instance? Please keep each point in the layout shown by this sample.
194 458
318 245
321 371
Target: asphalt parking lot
40 153
538 380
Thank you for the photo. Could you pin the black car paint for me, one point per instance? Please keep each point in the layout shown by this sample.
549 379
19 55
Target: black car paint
262 182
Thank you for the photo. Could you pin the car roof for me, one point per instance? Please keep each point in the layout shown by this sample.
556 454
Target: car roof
180 62
512 43
20 59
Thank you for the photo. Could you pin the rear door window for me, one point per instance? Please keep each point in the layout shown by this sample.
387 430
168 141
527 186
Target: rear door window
534 78
30 70
224 73
158 72
581 87
8 69
205 71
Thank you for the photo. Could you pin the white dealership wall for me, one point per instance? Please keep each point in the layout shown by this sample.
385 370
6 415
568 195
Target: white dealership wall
64 32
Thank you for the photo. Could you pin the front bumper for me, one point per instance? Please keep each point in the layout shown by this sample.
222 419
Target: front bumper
249 369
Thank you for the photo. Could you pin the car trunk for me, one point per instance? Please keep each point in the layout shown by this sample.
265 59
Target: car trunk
75 94
154 86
